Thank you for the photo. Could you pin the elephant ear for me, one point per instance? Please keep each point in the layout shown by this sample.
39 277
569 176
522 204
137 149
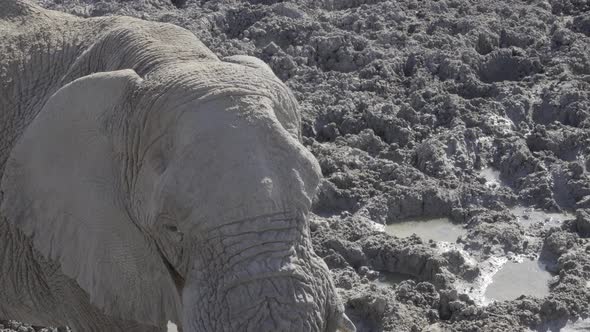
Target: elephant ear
62 187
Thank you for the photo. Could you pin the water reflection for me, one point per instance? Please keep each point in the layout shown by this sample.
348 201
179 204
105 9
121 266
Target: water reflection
527 216
387 279
515 279
577 326
439 229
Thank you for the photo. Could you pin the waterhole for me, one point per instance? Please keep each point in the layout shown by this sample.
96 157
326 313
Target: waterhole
515 279
577 326
527 216
560 325
438 229
387 279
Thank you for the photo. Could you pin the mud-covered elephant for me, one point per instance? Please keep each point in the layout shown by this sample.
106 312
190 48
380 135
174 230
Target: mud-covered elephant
146 180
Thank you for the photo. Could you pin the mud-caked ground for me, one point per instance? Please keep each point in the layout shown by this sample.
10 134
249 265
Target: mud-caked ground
409 106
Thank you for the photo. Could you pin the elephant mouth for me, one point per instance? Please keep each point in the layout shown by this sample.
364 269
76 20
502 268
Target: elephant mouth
177 278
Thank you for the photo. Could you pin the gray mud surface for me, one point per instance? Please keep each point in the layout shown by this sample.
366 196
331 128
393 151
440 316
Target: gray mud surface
456 109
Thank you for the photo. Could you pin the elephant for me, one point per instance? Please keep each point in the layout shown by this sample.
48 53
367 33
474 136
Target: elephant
147 180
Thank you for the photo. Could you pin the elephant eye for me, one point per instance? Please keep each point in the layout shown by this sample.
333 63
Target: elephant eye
159 162
171 228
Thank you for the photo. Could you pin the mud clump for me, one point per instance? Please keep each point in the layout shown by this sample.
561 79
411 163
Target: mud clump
508 65
11 325
405 104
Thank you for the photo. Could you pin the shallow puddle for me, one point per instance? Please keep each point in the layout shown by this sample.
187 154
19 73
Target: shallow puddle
570 326
439 229
527 216
577 326
476 289
515 279
387 279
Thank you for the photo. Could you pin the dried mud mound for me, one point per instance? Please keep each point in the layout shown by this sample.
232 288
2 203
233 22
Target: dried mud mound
405 105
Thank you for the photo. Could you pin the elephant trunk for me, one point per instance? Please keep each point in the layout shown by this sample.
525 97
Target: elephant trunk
260 274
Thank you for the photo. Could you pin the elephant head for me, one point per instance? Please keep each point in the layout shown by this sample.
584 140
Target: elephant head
181 196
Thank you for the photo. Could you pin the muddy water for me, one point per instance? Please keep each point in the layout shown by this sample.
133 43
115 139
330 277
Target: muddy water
563 326
387 279
439 229
515 279
527 216
577 326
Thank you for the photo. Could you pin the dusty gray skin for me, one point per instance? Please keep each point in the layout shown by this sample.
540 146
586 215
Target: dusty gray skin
403 104
145 180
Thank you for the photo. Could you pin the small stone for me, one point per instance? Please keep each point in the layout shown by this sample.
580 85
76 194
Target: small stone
471 273
456 306
363 270
372 275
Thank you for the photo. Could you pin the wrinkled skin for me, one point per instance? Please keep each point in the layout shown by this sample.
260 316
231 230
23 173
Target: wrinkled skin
145 180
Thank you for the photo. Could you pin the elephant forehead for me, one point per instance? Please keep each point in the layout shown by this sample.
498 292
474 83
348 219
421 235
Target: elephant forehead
238 130
226 120
186 86
206 76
